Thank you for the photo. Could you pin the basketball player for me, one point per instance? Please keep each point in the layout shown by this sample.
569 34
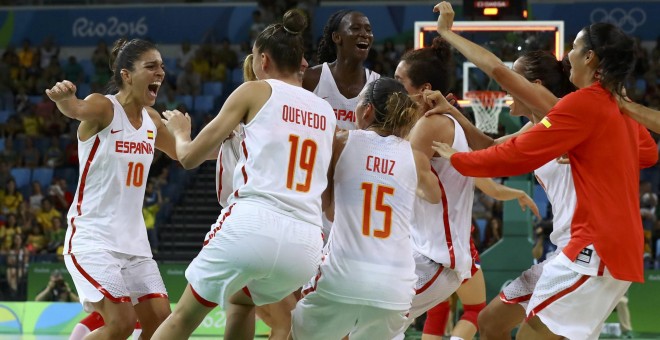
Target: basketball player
276 315
604 252
340 75
268 239
443 255
366 281
106 247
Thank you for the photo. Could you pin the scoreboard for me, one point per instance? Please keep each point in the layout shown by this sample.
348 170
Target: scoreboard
495 9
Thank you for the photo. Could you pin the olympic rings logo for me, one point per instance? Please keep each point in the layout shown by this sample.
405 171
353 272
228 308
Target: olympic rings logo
626 21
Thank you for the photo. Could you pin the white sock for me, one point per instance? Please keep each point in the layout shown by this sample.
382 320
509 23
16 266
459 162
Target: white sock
453 337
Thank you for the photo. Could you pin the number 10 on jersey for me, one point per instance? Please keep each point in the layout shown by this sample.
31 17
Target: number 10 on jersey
135 174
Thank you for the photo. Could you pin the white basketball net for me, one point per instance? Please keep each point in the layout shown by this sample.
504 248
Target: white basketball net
486 106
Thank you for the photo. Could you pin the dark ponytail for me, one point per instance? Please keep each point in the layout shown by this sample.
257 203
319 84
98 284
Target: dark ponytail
284 41
615 51
431 65
123 56
544 66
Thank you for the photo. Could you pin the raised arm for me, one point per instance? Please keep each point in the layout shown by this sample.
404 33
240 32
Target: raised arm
532 96
244 102
95 112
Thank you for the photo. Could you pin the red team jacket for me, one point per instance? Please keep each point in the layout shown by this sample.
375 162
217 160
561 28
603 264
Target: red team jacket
606 149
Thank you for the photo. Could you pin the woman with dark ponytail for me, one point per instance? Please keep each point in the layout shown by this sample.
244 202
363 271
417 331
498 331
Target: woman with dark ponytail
366 282
106 248
340 75
266 243
604 246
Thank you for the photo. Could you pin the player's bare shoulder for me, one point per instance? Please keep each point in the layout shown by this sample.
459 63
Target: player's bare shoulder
312 77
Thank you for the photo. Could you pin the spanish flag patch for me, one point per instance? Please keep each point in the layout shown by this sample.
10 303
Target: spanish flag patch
150 134
546 122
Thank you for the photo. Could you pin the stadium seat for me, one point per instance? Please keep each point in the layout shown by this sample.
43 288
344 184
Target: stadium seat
204 104
170 66
42 144
4 115
212 88
88 67
70 174
541 200
35 99
21 176
187 100
83 90
19 144
481 225
237 76
43 175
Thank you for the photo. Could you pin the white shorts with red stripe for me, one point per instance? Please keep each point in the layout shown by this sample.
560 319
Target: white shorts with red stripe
318 317
571 304
435 284
271 253
115 276
520 290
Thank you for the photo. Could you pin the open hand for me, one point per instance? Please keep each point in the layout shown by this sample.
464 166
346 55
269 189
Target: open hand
444 150
525 201
446 17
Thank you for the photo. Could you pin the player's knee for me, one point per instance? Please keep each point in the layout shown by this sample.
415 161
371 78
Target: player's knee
121 326
471 313
436 319
487 320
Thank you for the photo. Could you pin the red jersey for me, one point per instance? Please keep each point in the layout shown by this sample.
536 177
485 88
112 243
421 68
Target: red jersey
606 150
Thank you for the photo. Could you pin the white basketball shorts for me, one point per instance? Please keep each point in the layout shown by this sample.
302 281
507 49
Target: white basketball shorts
317 317
571 304
270 253
115 276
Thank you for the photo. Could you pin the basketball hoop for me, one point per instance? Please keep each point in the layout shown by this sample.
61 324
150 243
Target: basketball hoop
486 106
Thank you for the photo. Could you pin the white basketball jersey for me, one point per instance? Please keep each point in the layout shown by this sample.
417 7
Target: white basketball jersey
285 153
557 181
369 259
442 231
230 152
107 209
344 107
